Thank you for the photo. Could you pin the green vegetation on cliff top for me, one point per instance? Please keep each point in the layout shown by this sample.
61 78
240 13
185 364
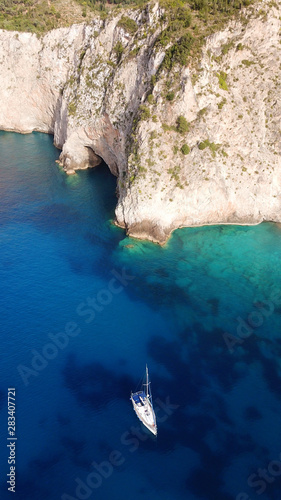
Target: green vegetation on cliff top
39 16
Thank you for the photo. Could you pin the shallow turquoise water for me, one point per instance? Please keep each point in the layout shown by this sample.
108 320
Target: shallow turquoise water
175 308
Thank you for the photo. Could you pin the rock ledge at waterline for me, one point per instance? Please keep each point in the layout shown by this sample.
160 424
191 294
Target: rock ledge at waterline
70 83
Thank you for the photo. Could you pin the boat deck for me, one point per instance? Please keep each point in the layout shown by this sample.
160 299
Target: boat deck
139 398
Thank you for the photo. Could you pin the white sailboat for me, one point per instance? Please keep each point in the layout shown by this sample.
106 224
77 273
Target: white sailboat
142 404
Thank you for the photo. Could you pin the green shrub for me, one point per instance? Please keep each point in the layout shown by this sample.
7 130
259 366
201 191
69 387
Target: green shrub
222 76
142 169
128 25
179 52
182 125
175 175
170 96
28 15
203 145
247 63
179 18
168 128
164 38
118 49
184 15
134 52
226 47
220 6
203 111
185 149
207 144
199 4
144 112
221 103
150 99
72 108
153 80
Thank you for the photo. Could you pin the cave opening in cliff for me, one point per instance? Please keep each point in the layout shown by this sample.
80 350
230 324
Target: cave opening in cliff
103 184
92 158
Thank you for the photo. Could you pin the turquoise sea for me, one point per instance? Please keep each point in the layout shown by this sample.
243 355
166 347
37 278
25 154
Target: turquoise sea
84 308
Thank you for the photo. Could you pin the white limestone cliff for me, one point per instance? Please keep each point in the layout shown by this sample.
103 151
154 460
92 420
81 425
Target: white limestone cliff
73 83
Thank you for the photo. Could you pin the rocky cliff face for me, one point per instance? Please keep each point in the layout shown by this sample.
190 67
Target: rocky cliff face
86 84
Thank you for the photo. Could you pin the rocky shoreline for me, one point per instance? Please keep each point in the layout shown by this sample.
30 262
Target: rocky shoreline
100 102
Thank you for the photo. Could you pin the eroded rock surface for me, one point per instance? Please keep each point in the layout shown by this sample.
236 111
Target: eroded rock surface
225 168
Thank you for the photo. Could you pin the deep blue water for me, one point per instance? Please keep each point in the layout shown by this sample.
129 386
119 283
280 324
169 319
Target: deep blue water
174 308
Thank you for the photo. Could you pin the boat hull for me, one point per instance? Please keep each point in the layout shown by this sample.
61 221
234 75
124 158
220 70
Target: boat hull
144 411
